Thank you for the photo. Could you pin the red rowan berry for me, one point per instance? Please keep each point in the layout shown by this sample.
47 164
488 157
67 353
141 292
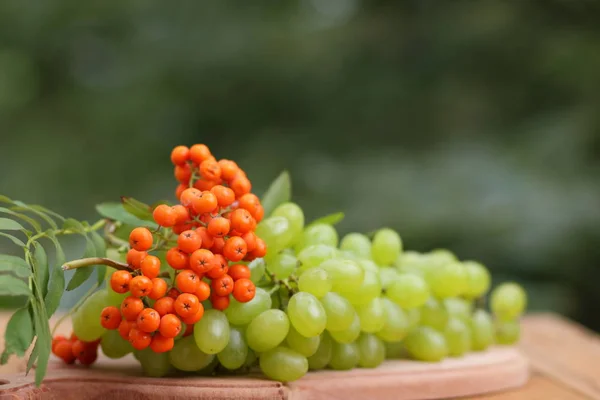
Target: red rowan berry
220 267
218 227
203 291
219 302
183 173
204 203
261 248
140 286
249 202
140 239
225 196
186 304
56 339
180 155
139 339
124 328
229 169
187 281
131 307
148 320
150 266
164 215
199 153
64 350
259 214
170 325
164 306
189 241
222 286
210 170
188 195
110 318
134 258
173 293
240 186
218 245
119 281
207 238
203 184
239 271
177 259
189 329
244 290
202 261
161 344
235 249
242 221
250 239
159 288
196 317
179 190
182 215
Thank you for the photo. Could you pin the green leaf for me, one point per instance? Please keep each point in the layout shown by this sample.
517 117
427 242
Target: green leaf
100 246
10 225
116 212
137 208
56 286
36 225
4 199
18 335
43 342
15 265
74 225
35 210
44 210
330 219
15 240
82 274
11 286
32 357
42 275
280 191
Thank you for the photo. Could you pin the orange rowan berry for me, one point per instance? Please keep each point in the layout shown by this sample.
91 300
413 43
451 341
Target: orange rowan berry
119 281
161 344
210 170
189 241
173 293
148 320
244 290
199 153
134 258
203 291
220 267
249 202
222 285
164 306
196 317
177 258
250 239
259 214
240 186
187 281
219 302
261 248
218 245
202 261
131 307
64 350
164 215
140 239
188 195
218 227
189 329
159 288
225 196
183 173
179 229
150 266
78 347
242 221
186 304
207 238
140 286
239 271
182 215
203 184
124 328
180 155
110 318
57 339
170 325
229 169
179 190
235 249
204 203
139 339
85 354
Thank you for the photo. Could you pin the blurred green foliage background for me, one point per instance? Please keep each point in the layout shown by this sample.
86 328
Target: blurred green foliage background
470 125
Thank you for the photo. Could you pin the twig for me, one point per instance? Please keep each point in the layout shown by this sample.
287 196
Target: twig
86 262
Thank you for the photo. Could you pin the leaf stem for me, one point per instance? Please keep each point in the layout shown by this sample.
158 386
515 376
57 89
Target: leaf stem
87 262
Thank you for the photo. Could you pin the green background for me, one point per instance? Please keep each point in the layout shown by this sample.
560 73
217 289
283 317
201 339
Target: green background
471 125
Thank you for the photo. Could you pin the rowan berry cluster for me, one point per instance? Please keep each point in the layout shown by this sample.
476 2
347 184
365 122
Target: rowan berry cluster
71 349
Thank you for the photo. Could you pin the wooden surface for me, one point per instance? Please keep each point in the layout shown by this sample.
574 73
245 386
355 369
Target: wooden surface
564 360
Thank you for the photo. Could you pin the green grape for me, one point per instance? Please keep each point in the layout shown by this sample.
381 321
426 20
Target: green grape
434 315
283 264
233 356
426 344
386 247
307 314
396 322
209 370
186 356
257 270
322 356
344 356
408 291
395 350
283 364
267 330
348 335
242 313
114 346
338 310
478 279
439 257
371 315
507 332
387 275
250 359
212 332
153 364
311 256
410 259
458 337
368 265
368 290
303 345
459 308
315 281
318 234
345 275
482 330
448 280
371 350
414 318
86 320
295 216
358 244
508 301
277 233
